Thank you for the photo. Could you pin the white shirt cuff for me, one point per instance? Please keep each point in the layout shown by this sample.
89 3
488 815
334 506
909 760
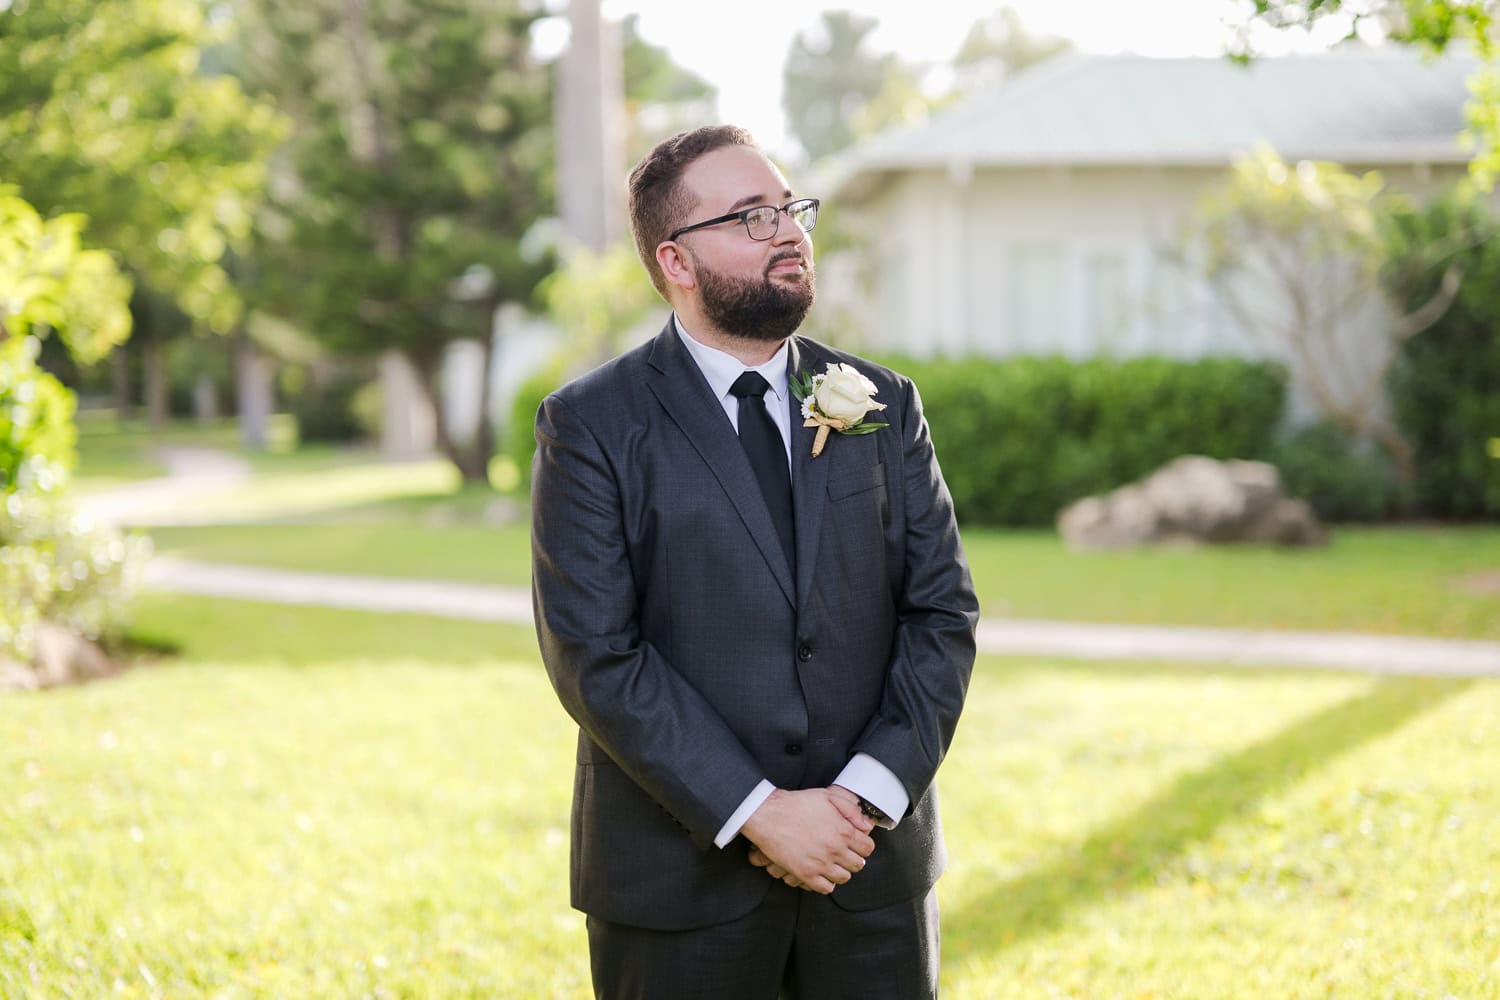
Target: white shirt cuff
873 781
747 808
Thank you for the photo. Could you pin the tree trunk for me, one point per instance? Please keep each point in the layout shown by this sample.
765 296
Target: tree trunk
205 400
253 397
472 464
484 434
119 361
156 383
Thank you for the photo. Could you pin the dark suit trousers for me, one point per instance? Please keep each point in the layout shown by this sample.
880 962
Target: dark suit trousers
796 945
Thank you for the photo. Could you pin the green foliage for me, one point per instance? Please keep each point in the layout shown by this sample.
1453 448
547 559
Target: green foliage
1019 439
37 434
831 80
105 109
1432 25
596 299
421 154
51 283
420 159
190 360
1318 209
53 567
325 407
1446 382
1343 478
1000 46
48 282
520 439
60 568
1295 252
661 97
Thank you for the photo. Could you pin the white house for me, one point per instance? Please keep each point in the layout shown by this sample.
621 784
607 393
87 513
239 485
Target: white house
1033 218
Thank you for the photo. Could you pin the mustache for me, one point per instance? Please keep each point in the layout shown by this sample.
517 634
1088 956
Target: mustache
787 255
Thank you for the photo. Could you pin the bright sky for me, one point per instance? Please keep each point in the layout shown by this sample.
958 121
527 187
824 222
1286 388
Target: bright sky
740 47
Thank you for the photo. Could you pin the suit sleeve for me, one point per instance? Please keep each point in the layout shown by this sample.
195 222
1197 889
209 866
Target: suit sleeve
932 656
620 689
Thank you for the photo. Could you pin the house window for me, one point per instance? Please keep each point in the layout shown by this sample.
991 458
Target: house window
1106 301
1035 291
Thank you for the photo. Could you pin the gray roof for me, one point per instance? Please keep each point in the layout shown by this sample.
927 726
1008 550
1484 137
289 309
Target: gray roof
1353 105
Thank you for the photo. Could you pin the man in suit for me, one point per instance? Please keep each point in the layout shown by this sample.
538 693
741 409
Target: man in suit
766 652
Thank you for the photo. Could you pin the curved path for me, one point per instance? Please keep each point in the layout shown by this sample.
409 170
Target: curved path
1372 654
190 472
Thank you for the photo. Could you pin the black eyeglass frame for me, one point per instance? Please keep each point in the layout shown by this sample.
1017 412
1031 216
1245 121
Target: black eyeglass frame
743 215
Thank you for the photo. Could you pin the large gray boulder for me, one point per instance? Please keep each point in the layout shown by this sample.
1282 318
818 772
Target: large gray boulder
1193 500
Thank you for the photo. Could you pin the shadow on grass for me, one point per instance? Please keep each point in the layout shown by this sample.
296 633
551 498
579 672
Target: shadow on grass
1129 852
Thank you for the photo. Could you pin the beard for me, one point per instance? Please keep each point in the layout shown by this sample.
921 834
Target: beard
765 309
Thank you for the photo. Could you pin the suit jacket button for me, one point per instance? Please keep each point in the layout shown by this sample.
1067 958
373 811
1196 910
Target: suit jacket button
804 652
793 749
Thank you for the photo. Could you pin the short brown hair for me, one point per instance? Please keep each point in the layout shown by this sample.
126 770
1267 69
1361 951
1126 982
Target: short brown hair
658 200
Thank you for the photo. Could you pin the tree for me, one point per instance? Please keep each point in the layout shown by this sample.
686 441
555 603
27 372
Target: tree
597 298
1000 46
1433 25
421 154
1300 256
831 79
105 110
661 97
1445 385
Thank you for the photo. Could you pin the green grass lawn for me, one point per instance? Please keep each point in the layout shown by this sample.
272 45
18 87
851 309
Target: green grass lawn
112 452
311 803
1402 580
343 510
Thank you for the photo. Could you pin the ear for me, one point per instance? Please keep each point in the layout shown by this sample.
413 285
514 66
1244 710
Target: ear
676 264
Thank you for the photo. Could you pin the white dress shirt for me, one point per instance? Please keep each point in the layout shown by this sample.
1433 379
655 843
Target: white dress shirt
863 775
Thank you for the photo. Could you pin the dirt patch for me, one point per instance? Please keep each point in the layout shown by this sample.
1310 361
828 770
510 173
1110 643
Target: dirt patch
1485 583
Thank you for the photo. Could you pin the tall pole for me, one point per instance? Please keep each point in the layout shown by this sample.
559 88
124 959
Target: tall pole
590 129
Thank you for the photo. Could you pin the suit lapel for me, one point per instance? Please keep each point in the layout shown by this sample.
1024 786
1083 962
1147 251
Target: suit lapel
809 477
683 392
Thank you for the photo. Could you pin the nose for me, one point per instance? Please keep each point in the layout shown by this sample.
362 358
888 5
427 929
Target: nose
789 230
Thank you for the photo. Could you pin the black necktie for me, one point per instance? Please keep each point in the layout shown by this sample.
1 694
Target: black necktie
767 453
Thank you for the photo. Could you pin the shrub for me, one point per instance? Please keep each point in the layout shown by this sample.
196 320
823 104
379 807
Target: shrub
325 407
1445 385
37 434
57 567
520 431
1021 438
1343 478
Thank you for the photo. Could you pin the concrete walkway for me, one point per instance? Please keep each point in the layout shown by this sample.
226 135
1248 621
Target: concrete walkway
190 473
1372 654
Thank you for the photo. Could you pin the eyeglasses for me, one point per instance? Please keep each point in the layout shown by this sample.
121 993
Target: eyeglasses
762 221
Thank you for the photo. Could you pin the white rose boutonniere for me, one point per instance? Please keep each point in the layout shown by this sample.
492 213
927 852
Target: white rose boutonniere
837 400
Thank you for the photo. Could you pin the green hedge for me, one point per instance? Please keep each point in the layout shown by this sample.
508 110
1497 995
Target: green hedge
1344 479
1019 439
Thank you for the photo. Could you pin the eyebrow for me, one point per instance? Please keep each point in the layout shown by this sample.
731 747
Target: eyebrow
755 199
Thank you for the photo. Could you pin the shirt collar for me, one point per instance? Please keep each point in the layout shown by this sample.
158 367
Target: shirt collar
721 369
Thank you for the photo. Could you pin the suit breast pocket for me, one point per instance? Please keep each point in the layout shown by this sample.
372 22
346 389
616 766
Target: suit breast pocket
870 478
862 493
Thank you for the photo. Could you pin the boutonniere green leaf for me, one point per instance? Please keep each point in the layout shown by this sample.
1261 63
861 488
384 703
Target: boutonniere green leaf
839 399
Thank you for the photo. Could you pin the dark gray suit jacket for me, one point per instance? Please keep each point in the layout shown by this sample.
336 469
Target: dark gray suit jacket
693 662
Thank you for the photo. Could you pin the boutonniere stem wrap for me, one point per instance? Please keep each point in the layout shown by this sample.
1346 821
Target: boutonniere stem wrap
839 399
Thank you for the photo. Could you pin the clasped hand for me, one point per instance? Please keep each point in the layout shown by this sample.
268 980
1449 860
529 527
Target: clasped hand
815 839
